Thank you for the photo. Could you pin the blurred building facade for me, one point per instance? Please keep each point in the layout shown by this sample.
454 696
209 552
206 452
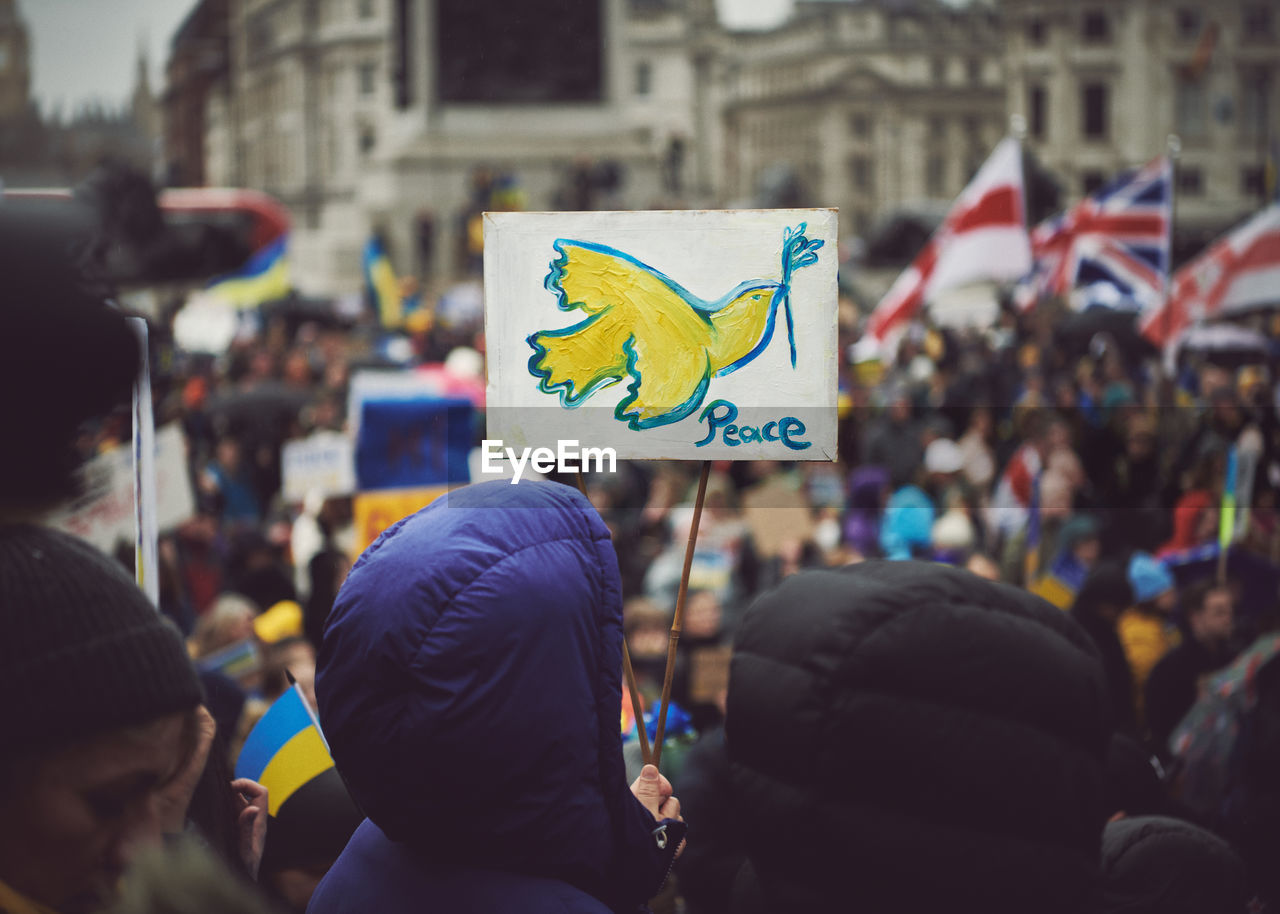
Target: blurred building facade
866 106
195 74
1102 87
45 149
410 117
372 115
15 63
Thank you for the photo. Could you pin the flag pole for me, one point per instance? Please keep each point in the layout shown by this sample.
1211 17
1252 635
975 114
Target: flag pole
1173 146
628 671
677 621
1227 513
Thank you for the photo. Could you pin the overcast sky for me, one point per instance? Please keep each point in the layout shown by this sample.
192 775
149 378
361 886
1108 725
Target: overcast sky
84 50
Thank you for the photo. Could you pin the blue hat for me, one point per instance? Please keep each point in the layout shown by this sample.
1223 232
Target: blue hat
908 522
1148 577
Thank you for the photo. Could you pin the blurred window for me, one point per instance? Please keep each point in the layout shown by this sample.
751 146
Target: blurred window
937 127
1091 181
1093 107
1189 21
860 126
974 66
367 9
1190 108
1037 32
1255 98
935 173
368 78
1037 112
519 51
860 172
1257 22
938 69
644 78
1191 181
1095 27
1252 181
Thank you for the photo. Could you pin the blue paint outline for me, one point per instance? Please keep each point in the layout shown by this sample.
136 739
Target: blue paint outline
633 420
564 389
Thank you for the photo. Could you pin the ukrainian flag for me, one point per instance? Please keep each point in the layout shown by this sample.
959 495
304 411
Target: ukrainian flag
264 278
384 288
284 750
1227 513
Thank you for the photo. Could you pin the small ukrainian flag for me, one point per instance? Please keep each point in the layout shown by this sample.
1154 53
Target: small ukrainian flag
284 750
384 287
264 278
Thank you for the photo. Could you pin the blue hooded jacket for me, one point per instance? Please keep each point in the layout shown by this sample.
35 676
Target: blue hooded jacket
469 685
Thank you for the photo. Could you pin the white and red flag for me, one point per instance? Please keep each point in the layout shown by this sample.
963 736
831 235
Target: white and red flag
983 237
1240 270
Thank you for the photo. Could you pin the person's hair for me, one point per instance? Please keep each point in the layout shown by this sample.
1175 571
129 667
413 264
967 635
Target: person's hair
186 878
211 631
213 810
1195 596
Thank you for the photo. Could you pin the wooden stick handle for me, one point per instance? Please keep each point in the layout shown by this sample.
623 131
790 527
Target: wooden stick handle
636 707
677 622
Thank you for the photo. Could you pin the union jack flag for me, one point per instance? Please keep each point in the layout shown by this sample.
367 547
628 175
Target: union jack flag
1115 241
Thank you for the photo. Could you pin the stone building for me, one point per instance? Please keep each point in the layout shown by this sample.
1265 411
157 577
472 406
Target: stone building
863 105
1103 86
198 65
407 117
15 63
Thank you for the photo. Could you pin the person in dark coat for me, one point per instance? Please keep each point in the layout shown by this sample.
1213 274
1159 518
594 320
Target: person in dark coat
709 868
1175 682
910 737
1105 594
1157 865
1133 781
470 688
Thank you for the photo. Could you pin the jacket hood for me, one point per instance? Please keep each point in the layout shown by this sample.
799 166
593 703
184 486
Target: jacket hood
1156 865
911 737
469 684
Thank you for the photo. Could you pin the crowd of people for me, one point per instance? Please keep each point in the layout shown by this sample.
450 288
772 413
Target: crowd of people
989 659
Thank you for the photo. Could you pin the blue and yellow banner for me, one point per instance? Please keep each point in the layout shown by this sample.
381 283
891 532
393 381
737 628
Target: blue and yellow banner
284 750
384 287
412 442
1227 515
264 278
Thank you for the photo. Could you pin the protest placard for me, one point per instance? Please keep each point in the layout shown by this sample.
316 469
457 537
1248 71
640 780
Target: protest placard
689 335
374 512
406 434
105 513
323 463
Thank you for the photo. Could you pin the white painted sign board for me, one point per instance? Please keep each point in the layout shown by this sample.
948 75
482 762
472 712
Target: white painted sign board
664 335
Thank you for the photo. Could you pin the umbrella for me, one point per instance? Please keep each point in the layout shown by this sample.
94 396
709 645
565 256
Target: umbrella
1229 345
263 412
898 237
1077 331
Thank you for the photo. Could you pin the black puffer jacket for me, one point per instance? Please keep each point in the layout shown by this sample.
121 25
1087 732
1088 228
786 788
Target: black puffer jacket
1155 865
908 737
